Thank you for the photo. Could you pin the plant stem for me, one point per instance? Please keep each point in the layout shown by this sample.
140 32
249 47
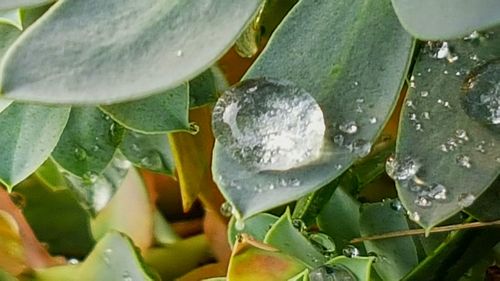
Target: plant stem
438 229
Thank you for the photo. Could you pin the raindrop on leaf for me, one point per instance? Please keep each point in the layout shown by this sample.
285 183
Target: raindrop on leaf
332 273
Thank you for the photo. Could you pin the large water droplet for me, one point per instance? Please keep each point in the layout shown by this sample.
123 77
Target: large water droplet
332 273
269 124
401 170
350 251
349 127
481 100
466 199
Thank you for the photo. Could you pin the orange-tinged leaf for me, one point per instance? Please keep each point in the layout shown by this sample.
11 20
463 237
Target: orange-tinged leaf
216 232
35 255
12 258
193 156
252 260
205 272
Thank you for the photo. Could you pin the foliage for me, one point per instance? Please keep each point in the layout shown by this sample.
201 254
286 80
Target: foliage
133 130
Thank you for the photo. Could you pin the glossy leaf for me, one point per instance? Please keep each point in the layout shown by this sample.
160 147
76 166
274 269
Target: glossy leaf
252 260
396 256
11 4
155 114
129 211
285 237
340 218
12 17
110 66
113 258
205 87
337 74
256 227
88 142
442 133
448 19
50 174
309 207
150 152
360 266
95 191
29 134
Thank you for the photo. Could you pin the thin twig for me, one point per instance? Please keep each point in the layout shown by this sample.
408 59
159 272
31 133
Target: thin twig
438 229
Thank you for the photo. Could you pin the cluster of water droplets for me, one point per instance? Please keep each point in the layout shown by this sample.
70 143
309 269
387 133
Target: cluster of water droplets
269 124
332 273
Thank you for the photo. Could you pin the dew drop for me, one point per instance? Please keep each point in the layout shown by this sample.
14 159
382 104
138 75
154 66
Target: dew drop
299 224
350 251
373 120
461 134
473 36
338 139
463 161
466 199
481 98
239 225
107 256
360 147
424 94
423 201
426 115
396 205
437 191
80 153
73 261
401 170
414 216
277 126
349 127
179 53
226 209
332 273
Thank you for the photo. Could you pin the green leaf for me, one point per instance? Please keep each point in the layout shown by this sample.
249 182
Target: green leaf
156 114
29 134
67 232
445 140
340 218
113 258
309 207
12 4
396 256
257 227
88 142
360 266
285 237
164 233
12 17
8 34
337 74
129 211
50 175
486 207
142 48
205 87
303 276
94 191
450 19
150 152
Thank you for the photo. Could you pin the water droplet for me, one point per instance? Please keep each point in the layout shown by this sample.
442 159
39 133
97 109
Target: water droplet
481 99
179 53
226 209
424 94
497 159
73 261
126 276
275 127
437 191
461 134
323 243
426 115
414 216
480 147
356 83
373 120
410 104
299 224
466 199
338 139
135 147
349 127
360 100
360 147
396 205
401 170
423 201
115 133
107 256
473 36
90 177
463 161
332 273
80 153
350 251
95 148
